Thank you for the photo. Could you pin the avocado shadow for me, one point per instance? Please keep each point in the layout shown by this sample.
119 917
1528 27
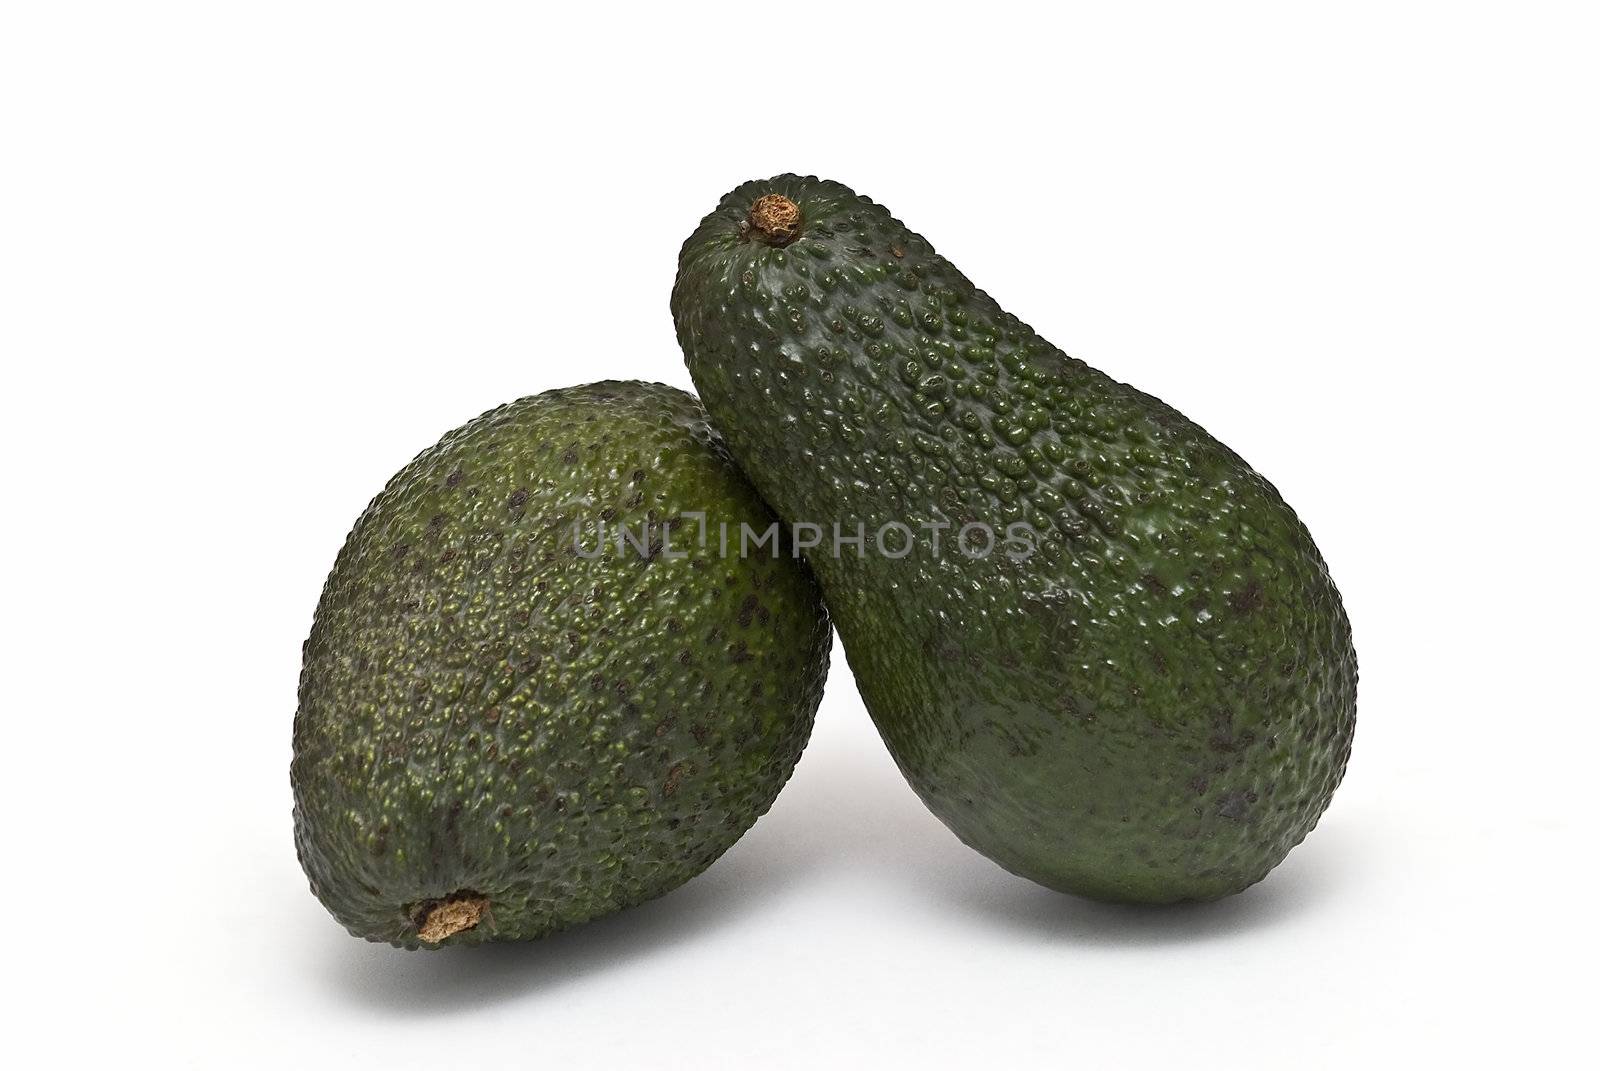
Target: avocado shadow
762 866
994 899
904 845
847 819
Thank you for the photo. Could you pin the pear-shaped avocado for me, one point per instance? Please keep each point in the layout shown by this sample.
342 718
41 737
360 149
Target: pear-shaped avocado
534 693
1099 645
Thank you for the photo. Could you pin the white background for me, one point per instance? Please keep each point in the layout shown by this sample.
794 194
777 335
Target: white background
254 257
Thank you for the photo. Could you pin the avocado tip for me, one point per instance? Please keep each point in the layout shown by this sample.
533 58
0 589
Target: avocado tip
775 219
454 914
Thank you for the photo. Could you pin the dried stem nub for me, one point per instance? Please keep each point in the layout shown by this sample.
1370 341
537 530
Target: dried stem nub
455 914
775 219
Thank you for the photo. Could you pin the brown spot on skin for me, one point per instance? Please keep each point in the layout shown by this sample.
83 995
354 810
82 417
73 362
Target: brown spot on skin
700 732
454 478
569 456
1247 599
665 727
1235 804
518 499
896 252
674 775
747 610
1071 706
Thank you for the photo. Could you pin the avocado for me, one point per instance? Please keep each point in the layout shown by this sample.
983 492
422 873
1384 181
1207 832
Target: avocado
535 693
1133 678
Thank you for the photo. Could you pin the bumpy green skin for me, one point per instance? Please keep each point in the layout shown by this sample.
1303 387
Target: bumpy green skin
1157 705
484 710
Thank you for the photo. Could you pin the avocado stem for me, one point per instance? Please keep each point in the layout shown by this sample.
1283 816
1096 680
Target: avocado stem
452 915
775 219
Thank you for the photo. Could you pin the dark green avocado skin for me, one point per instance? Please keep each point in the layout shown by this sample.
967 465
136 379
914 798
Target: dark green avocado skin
484 711
1153 707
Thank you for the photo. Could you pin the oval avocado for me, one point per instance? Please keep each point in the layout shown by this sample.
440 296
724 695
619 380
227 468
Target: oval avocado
534 693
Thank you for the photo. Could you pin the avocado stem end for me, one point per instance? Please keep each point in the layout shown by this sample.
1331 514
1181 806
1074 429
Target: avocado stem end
775 219
454 914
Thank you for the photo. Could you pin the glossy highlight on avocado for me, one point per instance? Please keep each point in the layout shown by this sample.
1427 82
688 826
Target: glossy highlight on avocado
1156 705
503 732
